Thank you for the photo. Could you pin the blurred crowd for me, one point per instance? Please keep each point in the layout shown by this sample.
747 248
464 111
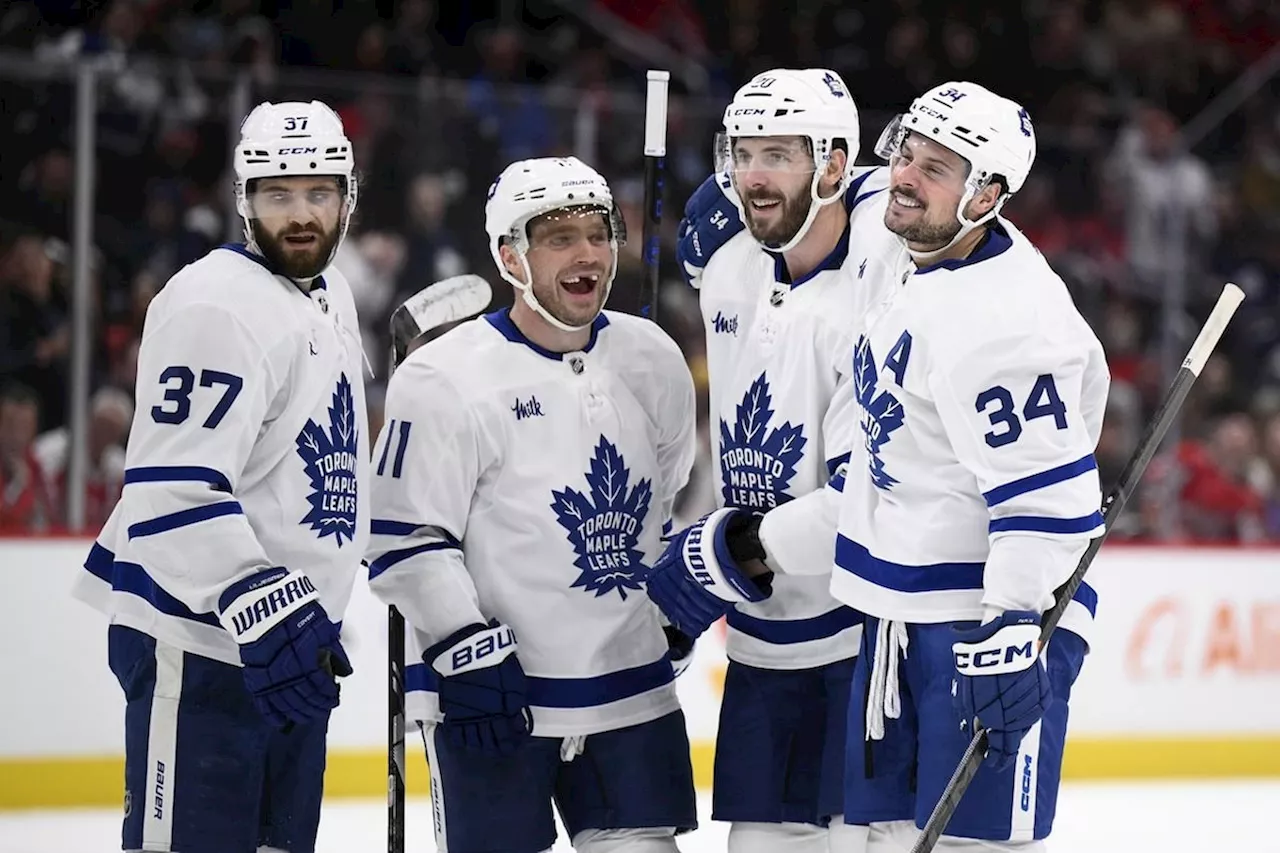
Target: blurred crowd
1142 203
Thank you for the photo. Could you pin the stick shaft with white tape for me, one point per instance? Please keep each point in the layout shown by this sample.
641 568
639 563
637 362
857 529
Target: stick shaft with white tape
655 153
1112 505
447 301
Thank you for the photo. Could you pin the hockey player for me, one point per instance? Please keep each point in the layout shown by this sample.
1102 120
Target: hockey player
968 500
229 560
529 461
781 302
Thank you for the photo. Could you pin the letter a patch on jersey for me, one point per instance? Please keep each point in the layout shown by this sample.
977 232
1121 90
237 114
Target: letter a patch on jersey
330 458
756 462
604 525
882 412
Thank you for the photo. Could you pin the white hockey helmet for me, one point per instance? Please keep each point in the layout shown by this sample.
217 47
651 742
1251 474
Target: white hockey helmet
992 133
813 103
530 188
291 139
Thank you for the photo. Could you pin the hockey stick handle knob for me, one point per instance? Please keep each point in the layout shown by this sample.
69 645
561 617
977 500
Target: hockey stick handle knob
655 114
1213 328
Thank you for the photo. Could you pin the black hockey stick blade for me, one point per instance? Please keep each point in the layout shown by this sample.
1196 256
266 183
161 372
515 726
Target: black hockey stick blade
1112 505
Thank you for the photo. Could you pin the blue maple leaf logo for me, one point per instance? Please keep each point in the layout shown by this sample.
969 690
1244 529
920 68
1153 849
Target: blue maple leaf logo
882 412
330 458
757 463
604 526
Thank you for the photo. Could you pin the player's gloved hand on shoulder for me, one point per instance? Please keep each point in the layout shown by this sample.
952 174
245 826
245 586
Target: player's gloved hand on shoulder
483 689
289 647
710 219
699 577
1001 681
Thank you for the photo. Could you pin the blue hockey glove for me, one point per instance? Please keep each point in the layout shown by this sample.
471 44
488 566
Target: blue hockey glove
680 647
1001 681
288 646
482 689
710 219
697 579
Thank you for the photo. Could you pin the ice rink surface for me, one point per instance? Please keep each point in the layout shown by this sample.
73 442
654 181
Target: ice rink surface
1174 817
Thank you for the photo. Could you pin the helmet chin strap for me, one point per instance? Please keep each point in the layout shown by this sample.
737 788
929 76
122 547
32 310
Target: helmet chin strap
816 203
526 292
966 226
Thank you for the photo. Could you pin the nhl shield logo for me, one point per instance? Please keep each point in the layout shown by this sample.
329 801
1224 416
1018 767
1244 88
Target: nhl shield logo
331 456
604 524
756 462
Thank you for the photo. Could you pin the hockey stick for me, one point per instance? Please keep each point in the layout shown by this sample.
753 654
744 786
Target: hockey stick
655 152
436 305
1112 506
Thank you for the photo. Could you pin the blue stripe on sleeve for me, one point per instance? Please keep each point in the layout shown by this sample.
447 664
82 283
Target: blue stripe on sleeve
390 527
134 580
833 464
1087 596
390 558
184 518
386 527
569 692
837 482
1031 483
1044 524
178 474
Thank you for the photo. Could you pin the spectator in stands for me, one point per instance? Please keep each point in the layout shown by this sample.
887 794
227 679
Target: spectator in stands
511 118
34 337
1219 501
110 414
25 505
1271 459
1168 199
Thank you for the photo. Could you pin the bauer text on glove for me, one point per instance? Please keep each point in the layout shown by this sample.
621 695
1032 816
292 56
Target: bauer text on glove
483 689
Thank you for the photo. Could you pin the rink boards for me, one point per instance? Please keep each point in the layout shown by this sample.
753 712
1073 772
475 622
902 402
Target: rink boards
1183 679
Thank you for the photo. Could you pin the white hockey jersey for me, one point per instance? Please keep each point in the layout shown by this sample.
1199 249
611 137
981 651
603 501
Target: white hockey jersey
781 402
248 450
532 487
981 392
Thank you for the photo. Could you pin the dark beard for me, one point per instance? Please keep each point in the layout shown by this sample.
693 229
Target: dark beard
295 267
794 213
928 235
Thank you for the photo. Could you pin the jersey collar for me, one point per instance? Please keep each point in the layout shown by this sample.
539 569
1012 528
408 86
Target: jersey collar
995 242
501 320
835 260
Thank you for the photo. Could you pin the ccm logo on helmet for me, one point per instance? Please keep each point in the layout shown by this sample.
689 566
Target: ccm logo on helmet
286 151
